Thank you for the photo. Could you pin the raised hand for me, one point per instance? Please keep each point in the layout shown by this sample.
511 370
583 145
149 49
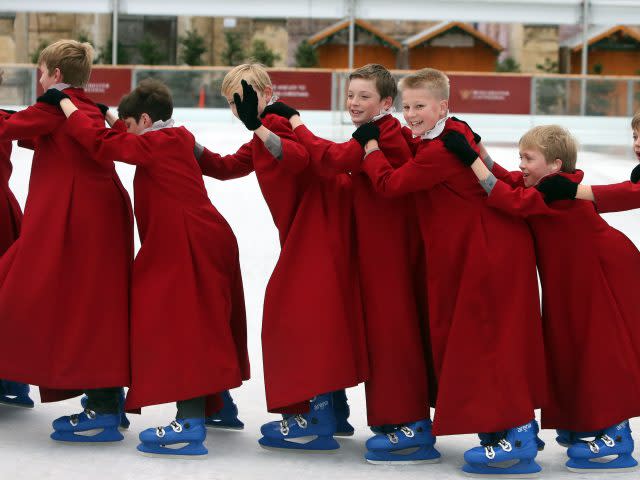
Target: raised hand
557 187
457 143
281 109
476 138
247 106
635 174
366 132
53 96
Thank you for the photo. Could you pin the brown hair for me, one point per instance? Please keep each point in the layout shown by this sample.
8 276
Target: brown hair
73 58
152 97
554 142
253 73
433 80
385 83
635 121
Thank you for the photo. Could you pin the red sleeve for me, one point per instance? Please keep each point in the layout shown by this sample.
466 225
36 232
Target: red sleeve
511 178
517 201
295 157
330 158
227 167
431 166
34 121
108 144
119 126
408 137
617 197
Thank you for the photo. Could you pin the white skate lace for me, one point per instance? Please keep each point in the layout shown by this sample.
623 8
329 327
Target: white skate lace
393 437
608 441
175 426
490 453
75 418
284 423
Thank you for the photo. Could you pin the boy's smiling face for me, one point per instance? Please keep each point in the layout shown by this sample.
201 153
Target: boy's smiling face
422 110
263 99
364 102
636 143
534 166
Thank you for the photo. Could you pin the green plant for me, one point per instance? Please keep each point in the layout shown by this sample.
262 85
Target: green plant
261 53
233 54
150 53
549 66
105 54
306 55
599 94
36 53
192 47
508 65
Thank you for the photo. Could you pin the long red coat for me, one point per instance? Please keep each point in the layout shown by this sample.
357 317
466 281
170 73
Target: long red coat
484 312
617 197
64 284
188 324
312 330
590 306
10 213
388 245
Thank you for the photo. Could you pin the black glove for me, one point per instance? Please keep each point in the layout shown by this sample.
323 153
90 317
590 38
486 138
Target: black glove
476 138
52 96
456 143
557 187
635 174
10 112
103 108
366 132
281 109
247 106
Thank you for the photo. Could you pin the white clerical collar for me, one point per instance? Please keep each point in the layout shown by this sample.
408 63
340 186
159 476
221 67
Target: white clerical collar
159 125
61 86
383 113
437 129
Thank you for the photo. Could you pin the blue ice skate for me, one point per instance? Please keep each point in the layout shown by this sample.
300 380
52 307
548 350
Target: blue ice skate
87 427
342 412
182 438
408 444
227 418
566 438
311 432
513 455
609 452
491 438
15 394
124 421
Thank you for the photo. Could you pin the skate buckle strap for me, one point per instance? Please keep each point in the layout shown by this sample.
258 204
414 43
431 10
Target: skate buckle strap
407 431
606 439
490 453
175 426
159 432
75 418
393 438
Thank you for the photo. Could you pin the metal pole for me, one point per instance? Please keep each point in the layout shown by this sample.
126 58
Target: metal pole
585 57
114 31
352 31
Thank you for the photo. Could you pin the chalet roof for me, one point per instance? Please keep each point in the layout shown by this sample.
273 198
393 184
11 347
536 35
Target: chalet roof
597 33
325 35
442 27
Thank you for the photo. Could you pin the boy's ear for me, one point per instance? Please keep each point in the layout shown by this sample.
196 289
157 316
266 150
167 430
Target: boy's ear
557 165
444 107
57 75
146 120
387 103
268 92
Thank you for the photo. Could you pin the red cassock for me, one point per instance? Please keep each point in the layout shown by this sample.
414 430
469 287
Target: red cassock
64 284
312 330
10 213
590 305
389 249
484 312
188 325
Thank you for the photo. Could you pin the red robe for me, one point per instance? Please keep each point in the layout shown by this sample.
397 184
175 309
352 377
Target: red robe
590 306
10 213
484 312
312 331
617 197
388 245
64 284
187 302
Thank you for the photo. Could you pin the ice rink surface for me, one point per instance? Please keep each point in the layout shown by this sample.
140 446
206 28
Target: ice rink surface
26 452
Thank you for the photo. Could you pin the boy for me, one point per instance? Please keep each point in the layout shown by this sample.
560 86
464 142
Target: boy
187 271
389 250
312 332
587 270
64 283
483 305
11 393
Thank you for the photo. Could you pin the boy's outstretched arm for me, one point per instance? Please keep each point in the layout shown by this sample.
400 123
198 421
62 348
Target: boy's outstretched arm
34 121
224 167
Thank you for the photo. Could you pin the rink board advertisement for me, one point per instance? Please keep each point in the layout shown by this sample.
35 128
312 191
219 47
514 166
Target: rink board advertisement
106 85
490 94
303 90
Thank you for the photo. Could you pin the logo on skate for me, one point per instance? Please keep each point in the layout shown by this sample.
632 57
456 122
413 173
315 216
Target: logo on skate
524 428
320 406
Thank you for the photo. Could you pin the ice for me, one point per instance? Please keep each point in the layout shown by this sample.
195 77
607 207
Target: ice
26 452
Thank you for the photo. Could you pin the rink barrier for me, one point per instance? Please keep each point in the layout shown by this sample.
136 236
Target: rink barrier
322 89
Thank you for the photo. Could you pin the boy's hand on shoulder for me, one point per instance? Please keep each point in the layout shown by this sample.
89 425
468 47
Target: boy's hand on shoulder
557 187
476 138
103 108
635 174
247 106
457 143
281 109
52 96
365 132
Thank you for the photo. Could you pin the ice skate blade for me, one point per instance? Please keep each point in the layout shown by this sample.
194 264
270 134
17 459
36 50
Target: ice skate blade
520 469
173 456
25 406
83 438
602 470
343 434
501 475
224 427
300 450
403 462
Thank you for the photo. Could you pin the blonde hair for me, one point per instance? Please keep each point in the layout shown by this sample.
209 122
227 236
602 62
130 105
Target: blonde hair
73 58
253 73
433 80
554 142
635 121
